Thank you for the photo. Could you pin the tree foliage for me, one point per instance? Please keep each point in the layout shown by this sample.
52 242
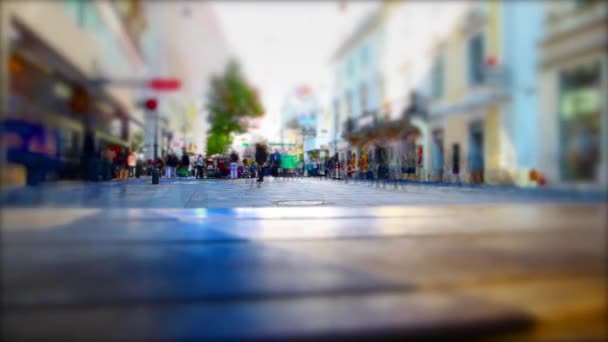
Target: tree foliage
137 142
230 102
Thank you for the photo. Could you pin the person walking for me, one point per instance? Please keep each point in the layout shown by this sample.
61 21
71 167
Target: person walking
261 155
185 163
160 165
275 162
131 163
234 159
200 162
172 164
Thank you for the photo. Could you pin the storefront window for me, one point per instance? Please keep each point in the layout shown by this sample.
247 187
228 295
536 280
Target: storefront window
580 122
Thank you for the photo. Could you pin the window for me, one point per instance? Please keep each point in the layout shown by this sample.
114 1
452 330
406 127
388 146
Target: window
350 67
364 55
583 3
580 121
84 13
349 104
363 97
437 74
476 60
336 115
336 107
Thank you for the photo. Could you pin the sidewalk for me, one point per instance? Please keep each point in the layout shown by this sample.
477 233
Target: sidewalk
583 194
214 193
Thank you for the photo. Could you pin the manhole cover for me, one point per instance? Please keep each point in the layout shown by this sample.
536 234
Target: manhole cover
300 203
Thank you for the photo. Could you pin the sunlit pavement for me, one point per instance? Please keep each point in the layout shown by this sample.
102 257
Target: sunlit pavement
146 268
211 193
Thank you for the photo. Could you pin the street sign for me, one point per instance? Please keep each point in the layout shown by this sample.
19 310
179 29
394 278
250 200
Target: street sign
164 84
157 84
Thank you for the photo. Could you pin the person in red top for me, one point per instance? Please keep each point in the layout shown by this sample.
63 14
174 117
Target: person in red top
221 166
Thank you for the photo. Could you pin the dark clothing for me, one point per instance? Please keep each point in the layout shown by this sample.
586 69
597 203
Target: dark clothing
234 157
185 161
261 155
275 159
172 161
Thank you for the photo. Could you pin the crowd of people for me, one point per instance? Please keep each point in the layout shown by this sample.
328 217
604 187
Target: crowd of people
231 166
121 163
110 162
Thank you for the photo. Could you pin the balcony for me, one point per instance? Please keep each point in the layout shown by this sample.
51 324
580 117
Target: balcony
475 17
494 87
566 17
573 31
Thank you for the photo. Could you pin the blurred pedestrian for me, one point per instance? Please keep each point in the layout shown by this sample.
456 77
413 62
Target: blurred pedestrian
328 167
409 157
160 165
107 158
131 163
261 156
253 169
123 172
364 167
234 158
185 162
172 164
200 162
350 167
275 162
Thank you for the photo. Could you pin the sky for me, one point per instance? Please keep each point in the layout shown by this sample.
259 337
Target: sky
282 45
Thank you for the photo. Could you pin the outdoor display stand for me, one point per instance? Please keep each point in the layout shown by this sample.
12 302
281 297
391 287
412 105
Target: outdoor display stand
289 163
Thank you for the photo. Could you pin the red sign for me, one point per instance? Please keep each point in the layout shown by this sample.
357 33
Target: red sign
163 84
151 104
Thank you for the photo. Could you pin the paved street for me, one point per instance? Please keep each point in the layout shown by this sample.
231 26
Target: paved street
193 193
192 259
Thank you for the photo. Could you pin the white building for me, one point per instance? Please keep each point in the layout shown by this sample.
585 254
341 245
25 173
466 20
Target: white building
186 43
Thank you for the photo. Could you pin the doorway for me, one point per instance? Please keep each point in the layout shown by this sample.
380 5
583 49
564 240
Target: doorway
476 152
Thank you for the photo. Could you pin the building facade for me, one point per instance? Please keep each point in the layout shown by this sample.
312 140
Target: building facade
358 84
573 139
484 105
52 52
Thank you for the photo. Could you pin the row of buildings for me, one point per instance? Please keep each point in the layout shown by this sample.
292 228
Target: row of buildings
502 92
54 53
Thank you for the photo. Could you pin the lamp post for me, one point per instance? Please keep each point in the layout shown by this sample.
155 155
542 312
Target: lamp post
151 105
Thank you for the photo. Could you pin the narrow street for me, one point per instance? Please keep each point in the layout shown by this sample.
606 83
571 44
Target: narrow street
303 170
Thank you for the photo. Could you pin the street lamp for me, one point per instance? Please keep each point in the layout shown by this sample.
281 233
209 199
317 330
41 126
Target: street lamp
151 105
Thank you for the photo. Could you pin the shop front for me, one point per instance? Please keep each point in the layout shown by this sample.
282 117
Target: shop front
50 96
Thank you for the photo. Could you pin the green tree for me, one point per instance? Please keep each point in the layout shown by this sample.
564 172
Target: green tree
137 142
231 102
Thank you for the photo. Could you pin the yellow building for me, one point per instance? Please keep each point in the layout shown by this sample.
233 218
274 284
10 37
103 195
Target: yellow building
482 95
